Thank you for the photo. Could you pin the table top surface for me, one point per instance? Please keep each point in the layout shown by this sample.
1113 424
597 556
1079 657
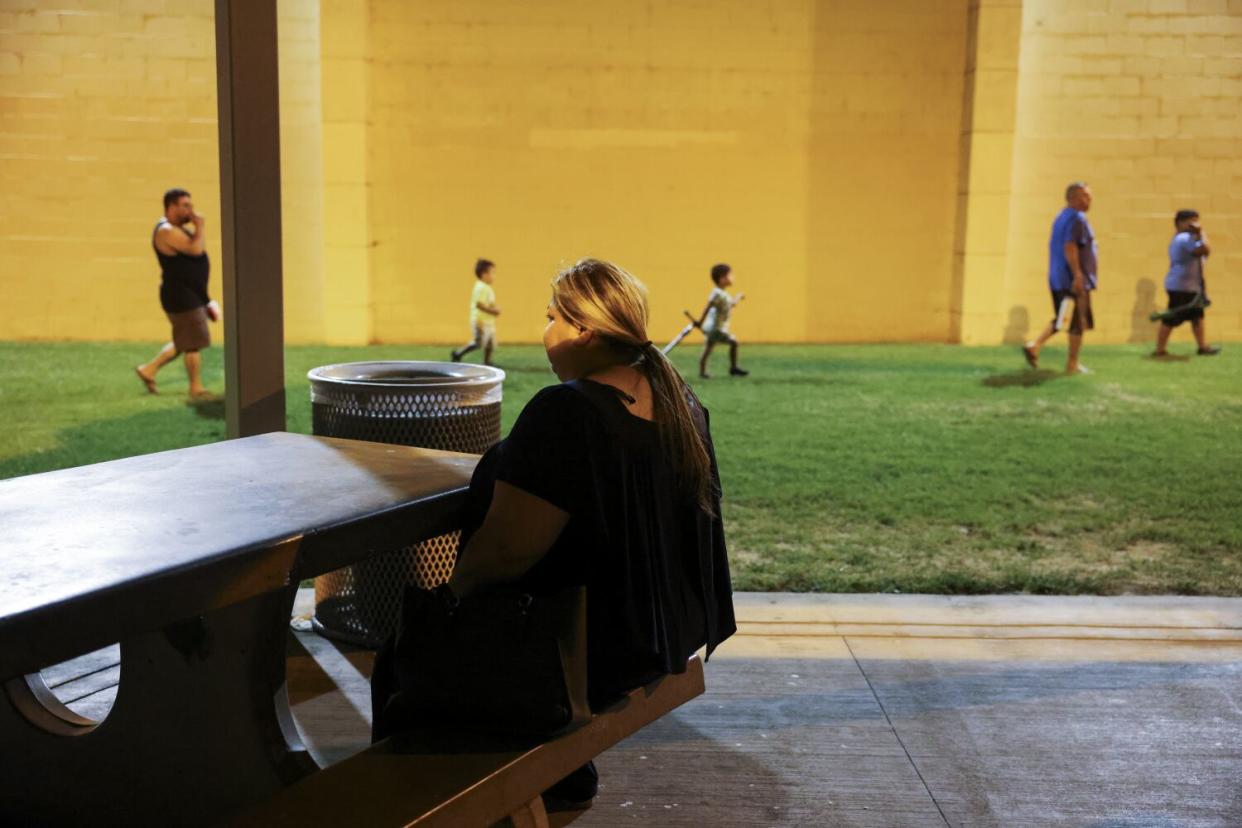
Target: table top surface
74 533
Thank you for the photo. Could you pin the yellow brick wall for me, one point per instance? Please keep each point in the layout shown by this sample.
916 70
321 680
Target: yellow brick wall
986 152
302 170
1140 98
811 145
882 170
104 104
344 46
102 108
872 171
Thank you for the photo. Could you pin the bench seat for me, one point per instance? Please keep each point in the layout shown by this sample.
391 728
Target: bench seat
399 782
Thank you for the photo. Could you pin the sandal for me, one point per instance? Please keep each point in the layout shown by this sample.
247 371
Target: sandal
147 381
1032 358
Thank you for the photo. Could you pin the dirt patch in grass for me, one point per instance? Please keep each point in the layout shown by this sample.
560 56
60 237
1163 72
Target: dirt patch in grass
1122 394
745 558
956 559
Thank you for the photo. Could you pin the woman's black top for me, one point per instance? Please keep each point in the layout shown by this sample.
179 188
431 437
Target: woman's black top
653 561
183 279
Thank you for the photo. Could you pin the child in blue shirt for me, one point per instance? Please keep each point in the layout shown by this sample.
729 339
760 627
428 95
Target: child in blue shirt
1184 284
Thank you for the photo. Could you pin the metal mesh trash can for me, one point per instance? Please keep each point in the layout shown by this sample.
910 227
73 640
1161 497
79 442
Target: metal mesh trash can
438 405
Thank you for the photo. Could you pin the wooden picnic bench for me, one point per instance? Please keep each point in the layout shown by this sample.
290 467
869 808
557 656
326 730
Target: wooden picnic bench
191 560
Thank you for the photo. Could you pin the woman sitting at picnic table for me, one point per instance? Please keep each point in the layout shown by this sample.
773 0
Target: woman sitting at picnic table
607 479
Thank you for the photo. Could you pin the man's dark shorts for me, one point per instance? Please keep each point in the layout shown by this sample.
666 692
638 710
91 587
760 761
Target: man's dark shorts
189 330
1183 299
1072 312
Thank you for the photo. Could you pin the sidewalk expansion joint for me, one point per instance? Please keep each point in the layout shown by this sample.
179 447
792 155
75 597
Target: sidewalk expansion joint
913 765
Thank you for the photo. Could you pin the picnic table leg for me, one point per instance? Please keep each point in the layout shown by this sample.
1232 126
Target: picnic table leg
530 815
200 728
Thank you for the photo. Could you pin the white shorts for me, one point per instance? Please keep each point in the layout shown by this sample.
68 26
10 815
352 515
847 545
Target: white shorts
485 336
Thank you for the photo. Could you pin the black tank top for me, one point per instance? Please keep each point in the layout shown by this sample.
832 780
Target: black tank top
183 279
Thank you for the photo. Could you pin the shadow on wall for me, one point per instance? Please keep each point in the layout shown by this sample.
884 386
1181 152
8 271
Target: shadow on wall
1142 329
1019 323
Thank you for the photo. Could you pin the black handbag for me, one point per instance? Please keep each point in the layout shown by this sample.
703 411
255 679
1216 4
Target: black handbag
505 664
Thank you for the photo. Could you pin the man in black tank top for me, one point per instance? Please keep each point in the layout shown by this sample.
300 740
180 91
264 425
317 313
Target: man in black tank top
184 269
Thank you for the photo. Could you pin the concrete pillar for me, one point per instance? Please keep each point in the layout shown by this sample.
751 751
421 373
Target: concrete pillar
249 104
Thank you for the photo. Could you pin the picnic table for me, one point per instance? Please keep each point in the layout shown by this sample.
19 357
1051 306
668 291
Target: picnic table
191 560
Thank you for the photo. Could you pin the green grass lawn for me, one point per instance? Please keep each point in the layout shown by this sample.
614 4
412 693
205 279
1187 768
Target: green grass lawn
911 468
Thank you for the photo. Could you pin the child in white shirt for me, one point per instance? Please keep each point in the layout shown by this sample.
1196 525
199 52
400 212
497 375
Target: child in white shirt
714 321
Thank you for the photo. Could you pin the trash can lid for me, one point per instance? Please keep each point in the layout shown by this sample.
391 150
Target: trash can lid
407 373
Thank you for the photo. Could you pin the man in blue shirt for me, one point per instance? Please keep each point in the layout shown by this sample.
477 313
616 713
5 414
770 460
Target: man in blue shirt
1184 283
1072 275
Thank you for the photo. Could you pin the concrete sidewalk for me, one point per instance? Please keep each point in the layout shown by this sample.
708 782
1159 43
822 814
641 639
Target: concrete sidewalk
884 710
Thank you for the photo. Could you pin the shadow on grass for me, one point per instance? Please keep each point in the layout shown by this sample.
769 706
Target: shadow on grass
1021 379
1167 358
100 440
211 408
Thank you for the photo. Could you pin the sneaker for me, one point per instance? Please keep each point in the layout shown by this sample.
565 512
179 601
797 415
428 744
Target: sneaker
1081 369
704 375
738 372
1032 358
573 793
454 356
1211 350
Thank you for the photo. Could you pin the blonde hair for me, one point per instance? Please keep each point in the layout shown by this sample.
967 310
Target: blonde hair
604 298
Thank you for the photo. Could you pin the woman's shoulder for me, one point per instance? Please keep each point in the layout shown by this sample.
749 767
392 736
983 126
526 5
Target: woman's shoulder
554 402
562 393
584 408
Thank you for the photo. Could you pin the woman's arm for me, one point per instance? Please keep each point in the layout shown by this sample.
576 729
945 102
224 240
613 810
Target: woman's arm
517 532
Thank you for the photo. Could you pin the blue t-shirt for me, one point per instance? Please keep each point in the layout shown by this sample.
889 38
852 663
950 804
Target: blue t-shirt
1185 268
1071 225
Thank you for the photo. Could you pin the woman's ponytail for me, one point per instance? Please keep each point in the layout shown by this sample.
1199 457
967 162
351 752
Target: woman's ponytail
602 296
